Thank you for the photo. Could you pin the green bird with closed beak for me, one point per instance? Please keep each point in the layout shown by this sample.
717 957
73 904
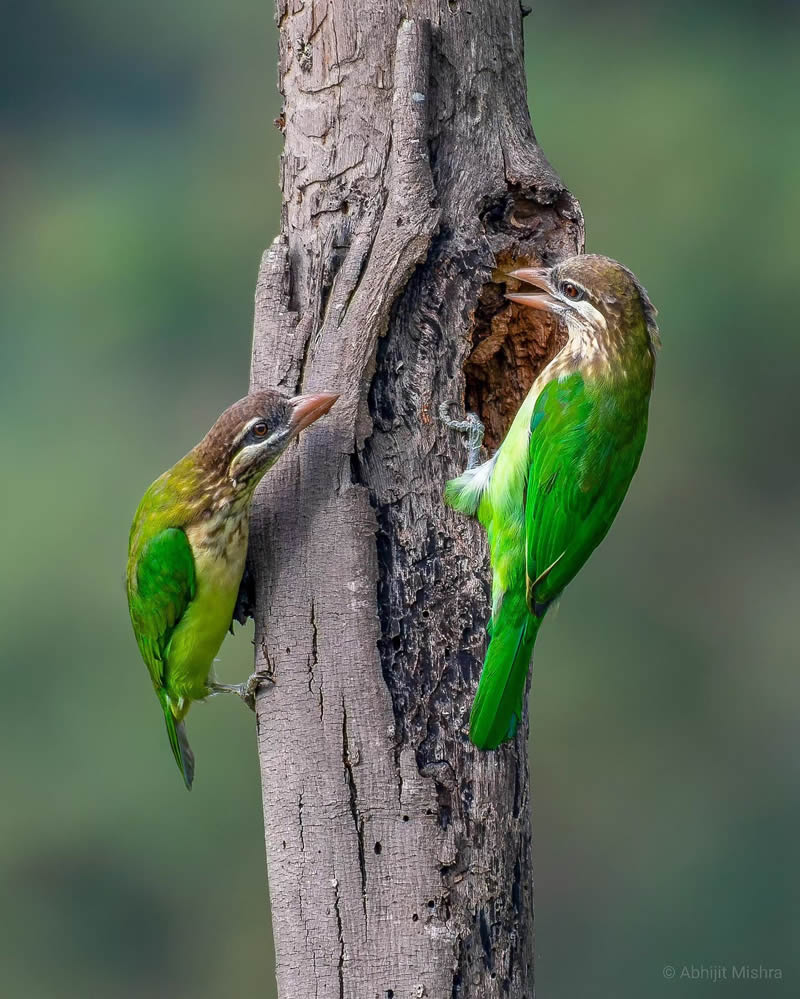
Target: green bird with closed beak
550 493
188 545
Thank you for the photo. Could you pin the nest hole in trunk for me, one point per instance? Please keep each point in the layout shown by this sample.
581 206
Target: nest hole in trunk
511 344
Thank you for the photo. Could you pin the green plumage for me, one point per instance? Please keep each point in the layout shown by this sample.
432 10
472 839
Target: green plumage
497 707
553 489
163 587
188 545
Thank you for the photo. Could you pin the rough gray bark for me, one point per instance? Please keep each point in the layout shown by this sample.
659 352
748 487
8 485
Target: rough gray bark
399 856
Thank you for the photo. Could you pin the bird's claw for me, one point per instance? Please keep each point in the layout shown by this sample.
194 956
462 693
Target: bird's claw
470 428
251 686
247 690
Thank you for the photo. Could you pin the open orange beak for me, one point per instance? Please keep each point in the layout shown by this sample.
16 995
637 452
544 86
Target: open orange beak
538 277
307 408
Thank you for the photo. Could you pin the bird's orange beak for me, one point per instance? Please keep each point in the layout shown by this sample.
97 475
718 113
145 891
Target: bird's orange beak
307 408
542 299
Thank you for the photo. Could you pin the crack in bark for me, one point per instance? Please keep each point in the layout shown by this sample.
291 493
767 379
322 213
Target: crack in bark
338 82
362 244
339 932
318 26
352 291
458 965
300 821
358 822
313 660
303 362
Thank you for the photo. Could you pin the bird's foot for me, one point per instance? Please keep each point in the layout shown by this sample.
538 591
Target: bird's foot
470 428
247 690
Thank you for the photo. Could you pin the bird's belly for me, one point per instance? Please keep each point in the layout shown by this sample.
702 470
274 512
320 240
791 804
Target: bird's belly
502 512
202 629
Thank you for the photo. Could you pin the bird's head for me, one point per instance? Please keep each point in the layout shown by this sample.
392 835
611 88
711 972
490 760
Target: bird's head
251 435
593 293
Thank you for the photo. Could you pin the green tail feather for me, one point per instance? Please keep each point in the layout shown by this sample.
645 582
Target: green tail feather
181 750
497 708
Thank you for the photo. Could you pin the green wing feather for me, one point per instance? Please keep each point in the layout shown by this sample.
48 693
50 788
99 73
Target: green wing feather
584 448
585 444
161 584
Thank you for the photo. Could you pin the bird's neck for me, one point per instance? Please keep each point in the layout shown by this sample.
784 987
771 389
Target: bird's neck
608 354
216 508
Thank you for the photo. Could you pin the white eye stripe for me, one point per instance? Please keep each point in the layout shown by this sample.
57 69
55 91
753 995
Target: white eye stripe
246 430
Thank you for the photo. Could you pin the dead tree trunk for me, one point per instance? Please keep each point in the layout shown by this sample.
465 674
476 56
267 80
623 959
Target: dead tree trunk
399 856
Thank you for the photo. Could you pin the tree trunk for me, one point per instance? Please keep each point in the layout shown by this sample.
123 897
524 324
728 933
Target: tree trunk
399 855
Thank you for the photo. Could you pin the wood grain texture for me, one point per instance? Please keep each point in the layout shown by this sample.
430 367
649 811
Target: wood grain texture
399 856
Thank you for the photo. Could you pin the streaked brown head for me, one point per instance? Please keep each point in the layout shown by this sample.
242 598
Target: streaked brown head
251 435
593 290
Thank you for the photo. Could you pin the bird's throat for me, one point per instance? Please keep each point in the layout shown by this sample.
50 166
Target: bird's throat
221 534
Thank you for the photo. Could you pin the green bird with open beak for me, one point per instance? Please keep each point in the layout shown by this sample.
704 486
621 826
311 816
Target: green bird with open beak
188 546
551 492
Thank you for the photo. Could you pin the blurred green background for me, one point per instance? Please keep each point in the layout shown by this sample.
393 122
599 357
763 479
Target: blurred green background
138 167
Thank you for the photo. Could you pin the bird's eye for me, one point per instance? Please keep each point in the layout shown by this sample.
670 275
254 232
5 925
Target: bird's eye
572 291
259 430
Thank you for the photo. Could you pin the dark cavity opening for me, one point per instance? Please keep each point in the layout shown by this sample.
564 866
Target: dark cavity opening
510 345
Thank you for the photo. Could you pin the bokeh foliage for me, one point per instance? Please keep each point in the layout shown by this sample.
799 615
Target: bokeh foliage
139 187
